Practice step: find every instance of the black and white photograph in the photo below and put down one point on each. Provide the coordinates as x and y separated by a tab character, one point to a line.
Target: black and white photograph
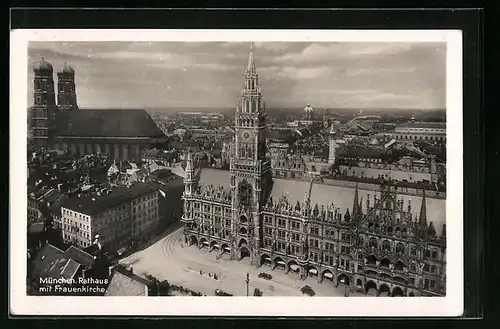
320	168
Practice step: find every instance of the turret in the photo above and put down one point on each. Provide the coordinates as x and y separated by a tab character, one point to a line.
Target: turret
189	179
66	90
422	217
42	116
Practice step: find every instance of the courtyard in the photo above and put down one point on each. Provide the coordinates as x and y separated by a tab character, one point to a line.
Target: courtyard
203	271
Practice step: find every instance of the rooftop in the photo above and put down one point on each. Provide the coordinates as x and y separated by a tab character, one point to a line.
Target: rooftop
435	125
80	256
127	284
325	194
52	262
92	203
107	123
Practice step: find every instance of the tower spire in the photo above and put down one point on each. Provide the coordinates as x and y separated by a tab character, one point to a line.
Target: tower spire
251	61
422	218
356	203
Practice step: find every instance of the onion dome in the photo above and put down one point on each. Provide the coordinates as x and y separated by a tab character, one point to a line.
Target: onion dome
67	69
42	65
308	108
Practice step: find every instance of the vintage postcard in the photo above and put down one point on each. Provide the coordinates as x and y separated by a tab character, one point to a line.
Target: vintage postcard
236	172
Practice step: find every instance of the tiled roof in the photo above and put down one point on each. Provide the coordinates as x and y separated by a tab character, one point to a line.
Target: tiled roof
435	125
93	204
124	285
80	256
70	269
52	262
49	261
107	123
215	177
343	198
325	194
360	152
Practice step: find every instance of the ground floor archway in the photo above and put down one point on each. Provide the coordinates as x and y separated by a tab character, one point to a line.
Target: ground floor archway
279	263
293	267
385	290
203	243
397	292
225	249
327	275
343	279
214	245
311	271
265	260
193	240
244	252
371	288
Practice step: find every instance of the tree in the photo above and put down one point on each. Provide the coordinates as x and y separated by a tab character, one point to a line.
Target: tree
164	288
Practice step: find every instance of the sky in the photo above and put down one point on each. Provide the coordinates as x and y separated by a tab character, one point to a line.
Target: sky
193	74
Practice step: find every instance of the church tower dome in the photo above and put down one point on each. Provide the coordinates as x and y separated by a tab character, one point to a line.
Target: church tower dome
66	88
42	66
42	113
308	112
67	69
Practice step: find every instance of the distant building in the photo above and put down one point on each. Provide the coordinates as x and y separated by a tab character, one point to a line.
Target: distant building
117	215
363	122
306	228
122	133
427	131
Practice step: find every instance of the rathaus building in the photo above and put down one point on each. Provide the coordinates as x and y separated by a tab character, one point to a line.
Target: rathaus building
378	245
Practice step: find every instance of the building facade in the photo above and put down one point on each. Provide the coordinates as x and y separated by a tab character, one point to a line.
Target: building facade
117	216
385	248
428	131
122	134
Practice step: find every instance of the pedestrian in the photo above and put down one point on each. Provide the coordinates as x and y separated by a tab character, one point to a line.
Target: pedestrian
201	272
209	274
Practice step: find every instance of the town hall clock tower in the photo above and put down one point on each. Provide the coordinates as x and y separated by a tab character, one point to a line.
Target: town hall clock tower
251	180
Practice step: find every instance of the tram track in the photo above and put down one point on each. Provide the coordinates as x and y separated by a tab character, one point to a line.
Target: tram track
170	251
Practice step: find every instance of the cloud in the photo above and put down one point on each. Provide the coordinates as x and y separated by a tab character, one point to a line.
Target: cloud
159	74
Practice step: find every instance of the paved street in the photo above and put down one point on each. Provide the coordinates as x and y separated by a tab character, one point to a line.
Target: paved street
166	259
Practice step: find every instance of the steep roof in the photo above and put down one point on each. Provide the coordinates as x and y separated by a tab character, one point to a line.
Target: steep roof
80	256
107	123
93	204
125	285
325	194
52	262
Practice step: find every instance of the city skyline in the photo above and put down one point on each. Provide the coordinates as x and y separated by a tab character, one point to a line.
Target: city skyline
192	74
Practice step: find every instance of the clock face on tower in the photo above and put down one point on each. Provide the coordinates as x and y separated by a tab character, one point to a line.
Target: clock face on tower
246	135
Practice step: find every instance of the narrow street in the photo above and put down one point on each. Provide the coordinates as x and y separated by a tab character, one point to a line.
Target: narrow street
168	260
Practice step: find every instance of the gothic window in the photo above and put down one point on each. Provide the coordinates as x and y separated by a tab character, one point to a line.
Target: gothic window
400	249
243	219
386	245
245	193
373	242
61	87
37	84
38	100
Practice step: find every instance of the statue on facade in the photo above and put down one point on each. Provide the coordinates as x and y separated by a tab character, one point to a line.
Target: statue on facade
305	247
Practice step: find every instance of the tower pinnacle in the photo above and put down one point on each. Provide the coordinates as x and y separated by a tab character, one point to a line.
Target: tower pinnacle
251	61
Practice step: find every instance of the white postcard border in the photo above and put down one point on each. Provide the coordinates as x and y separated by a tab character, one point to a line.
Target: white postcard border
450	305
